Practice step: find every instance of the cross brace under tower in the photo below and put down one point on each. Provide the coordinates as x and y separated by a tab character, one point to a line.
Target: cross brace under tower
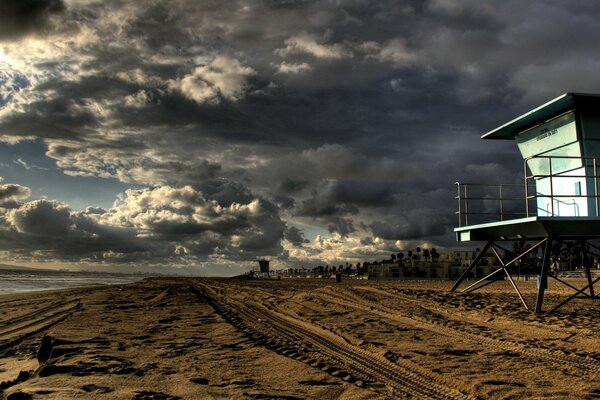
584	246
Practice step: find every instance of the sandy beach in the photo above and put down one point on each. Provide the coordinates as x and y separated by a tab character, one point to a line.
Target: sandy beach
296	339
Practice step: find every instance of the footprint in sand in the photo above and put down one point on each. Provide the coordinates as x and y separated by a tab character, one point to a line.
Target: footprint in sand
149	395
91	388
19	396
199	381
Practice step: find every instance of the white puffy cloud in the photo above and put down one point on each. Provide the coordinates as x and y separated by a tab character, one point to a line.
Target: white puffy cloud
172	225
138	99
305	43
337	249
128	160
11	83
293	68
224	77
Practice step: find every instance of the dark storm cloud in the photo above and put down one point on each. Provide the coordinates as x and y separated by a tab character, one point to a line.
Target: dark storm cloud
20	17
295	236
51	231
41	218
343	226
351	116
331	199
13	192
418	224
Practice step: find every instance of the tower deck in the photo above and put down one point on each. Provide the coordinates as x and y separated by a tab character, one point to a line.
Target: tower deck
531	228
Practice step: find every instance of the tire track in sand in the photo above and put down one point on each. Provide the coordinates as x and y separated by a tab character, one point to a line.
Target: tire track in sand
19	329
274	329
353	300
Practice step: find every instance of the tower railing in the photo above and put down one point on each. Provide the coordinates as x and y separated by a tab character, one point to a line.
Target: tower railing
481	202
553	186
582	172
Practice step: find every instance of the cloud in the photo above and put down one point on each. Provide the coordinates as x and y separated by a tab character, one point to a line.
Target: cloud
295	236
416	224
394	51
350	119
174	225
291	68
223	78
343	226
305	43
333	198
41	218
185	214
11	83
13	192
21	17
19	161
338	249
130	161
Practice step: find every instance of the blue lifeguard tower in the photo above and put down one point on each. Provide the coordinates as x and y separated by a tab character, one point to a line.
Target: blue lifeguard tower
556	207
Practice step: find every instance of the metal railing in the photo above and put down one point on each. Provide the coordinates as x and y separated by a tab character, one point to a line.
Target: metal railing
567	167
486	195
543	186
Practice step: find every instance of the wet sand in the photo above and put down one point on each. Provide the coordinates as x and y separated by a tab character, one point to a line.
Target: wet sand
296	339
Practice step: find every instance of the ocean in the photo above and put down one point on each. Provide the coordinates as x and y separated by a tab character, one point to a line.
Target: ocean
15	281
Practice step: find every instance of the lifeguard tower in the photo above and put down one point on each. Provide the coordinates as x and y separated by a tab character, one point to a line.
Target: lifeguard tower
556	207
263	269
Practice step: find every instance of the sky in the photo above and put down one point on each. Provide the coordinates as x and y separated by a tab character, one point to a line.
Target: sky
199	136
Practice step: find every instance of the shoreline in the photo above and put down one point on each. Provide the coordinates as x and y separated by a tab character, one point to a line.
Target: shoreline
20	281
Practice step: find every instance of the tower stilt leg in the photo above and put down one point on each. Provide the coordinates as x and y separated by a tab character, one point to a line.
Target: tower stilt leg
588	272
544	276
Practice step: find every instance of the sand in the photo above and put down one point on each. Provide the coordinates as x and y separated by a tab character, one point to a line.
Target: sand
296	339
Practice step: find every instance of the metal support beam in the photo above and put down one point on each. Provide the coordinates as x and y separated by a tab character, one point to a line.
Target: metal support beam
473	265
586	265
568	284
575	295
489	282
517	258
516	288
473	286
594	246
588	273
544	275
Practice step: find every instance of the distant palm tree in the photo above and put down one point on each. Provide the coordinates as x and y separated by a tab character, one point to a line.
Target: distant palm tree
426	254
434	254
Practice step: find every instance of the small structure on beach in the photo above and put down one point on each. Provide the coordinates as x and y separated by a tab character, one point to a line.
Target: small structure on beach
556	207
263	266
263	269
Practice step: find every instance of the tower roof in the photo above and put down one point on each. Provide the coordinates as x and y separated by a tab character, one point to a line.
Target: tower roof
543	113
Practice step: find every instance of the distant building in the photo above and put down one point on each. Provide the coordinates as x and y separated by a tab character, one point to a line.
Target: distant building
450	266
410	270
